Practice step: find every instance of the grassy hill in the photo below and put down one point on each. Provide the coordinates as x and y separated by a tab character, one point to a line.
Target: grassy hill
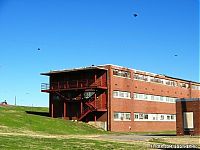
31	128
35	119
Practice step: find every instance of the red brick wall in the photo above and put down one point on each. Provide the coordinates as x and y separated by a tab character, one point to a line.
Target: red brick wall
187	106
126	105
142	126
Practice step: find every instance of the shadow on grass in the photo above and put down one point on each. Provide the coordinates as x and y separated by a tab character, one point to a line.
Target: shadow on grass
46	114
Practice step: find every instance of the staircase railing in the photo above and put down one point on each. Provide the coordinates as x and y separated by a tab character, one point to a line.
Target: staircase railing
72	84
89	107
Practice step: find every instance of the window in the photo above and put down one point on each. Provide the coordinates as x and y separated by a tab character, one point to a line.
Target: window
141	116
122	116
141	96
156	80
121	94
121	73
115	93
146	116
183	85
127	94
171	83
172	117
168	117
188	120
195	87
154	117
136	116
156	98
161	98
145	96
140	77
167	99
88	94
127	116
116	116
135	95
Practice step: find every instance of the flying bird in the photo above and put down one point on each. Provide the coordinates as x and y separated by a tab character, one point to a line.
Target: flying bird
38	49
175	55
135	14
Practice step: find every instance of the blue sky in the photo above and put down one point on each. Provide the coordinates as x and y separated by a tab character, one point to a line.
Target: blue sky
76	33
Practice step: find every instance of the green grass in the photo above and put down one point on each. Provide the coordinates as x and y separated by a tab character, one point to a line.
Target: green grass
22	142
22	130
28	131
159	141
17	119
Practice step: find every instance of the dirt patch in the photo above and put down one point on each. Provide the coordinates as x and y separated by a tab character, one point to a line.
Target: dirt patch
183	140
1	126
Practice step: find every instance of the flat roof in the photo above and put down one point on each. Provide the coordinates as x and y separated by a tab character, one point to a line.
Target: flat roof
74	69
102	68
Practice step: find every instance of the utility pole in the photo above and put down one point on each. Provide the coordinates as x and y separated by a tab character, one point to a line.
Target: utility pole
15	100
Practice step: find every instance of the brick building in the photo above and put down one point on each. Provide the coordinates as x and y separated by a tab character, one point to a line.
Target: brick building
188	116
125	99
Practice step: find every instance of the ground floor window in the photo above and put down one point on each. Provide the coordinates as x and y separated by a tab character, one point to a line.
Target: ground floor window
154	117
122	116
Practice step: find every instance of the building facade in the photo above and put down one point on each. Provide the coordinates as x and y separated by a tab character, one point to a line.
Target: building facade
125	99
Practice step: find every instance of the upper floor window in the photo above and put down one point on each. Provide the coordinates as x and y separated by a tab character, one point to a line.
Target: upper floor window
196	87
156	80
121	73
184	85
156	98
140	77
122	94
170	83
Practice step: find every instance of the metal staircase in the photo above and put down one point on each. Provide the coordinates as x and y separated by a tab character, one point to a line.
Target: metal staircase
88	106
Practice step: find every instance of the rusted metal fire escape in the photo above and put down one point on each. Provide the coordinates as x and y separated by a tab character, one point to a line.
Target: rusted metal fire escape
88	103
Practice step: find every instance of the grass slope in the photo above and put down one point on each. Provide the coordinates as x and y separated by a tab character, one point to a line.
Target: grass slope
17	119
30	128
23	128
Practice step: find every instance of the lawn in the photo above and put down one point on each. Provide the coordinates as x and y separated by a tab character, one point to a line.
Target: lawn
34	119
31	128
23	142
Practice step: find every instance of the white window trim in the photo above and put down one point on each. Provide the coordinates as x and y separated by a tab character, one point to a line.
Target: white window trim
156	116
121	77
120	96
164	81
150	96
124	113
